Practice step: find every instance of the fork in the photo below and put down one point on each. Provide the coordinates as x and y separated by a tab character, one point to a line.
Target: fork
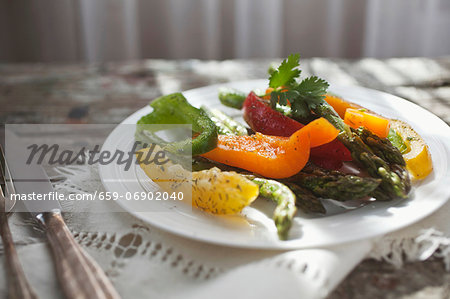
79	275
18	285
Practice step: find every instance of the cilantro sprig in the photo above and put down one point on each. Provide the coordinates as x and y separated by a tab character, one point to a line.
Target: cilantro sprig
300	97
306	98
286	73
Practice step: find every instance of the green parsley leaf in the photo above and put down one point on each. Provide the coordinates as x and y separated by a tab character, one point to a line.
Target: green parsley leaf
298	98
281	98
313	86
312	90
298	107
286	73
300	110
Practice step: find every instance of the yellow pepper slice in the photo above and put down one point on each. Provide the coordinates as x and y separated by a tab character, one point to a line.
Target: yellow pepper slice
212	190
417	157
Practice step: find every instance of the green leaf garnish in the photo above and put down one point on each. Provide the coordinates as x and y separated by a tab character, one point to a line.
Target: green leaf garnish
286	73
312	90
301	97
281	98
289	99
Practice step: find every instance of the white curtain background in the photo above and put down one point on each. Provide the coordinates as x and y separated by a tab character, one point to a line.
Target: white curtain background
105	30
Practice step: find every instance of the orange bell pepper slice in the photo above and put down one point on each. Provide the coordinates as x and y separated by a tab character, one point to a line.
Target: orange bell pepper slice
378	125
272	156
321	132
339	104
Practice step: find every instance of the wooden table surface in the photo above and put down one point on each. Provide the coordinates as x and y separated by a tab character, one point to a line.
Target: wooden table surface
107	93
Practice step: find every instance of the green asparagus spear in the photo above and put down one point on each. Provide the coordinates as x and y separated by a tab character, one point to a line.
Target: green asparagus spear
340	188
223	120
391	183
384	149
306	201
231	97
334	184
381	147
285	200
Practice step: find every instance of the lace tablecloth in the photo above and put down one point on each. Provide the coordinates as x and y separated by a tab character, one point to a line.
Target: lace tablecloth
143	261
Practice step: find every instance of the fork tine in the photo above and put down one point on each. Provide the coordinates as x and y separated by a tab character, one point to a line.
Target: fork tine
2	173
6	174
2	187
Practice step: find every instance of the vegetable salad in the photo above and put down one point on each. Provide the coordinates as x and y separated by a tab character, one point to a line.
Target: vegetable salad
293	151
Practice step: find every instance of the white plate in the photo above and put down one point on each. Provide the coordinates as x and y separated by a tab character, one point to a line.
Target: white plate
254	228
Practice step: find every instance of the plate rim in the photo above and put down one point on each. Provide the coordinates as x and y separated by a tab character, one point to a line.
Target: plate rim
286	244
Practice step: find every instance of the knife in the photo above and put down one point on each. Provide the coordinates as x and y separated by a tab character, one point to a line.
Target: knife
79	275
18	285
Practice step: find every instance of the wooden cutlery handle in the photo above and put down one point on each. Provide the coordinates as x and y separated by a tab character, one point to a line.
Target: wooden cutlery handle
79	275
18	286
